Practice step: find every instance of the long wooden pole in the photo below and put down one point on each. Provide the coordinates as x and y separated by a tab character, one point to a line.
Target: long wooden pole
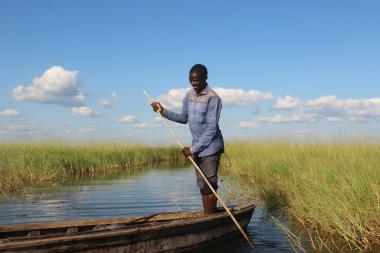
202	174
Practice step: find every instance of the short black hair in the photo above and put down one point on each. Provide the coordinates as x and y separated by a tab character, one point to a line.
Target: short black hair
200	69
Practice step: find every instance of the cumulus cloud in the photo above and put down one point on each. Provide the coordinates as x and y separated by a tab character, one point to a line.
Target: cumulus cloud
104	102
157	122
248	124
296	117
10	113
55	86
331	106
143	126
173	99
127	119
84	111
287	103
230	97
108	102
240	97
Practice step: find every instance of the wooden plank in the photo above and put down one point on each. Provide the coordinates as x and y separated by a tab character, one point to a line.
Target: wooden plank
82	223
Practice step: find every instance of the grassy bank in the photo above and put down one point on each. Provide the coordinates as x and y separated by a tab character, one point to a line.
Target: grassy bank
23	165
333	190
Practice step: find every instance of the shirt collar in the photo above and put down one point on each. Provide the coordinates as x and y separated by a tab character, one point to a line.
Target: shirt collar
203	92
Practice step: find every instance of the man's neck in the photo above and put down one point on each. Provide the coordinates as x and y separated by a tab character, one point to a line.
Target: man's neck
200	92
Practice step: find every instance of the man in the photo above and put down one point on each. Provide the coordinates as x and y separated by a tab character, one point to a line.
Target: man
201	109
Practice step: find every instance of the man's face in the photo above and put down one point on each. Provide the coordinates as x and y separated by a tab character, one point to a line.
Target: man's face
197	81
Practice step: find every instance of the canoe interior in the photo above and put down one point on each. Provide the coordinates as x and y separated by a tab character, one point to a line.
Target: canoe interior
20	232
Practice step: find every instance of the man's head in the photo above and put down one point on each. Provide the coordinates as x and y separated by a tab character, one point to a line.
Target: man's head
198	77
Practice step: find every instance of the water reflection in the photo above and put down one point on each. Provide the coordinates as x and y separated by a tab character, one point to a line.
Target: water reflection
141	192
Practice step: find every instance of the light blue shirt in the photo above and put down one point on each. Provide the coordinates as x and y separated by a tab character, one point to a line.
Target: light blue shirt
202	112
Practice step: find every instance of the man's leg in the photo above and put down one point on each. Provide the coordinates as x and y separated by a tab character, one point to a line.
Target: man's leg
209	166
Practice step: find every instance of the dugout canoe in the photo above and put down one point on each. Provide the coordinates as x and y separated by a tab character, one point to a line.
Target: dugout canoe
162	232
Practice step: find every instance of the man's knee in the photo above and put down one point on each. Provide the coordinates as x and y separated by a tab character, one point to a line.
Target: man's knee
206	190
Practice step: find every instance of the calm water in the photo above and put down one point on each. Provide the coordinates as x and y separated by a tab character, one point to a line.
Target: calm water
144	191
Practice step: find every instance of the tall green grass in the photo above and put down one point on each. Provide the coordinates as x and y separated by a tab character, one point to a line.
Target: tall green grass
23	165
332	189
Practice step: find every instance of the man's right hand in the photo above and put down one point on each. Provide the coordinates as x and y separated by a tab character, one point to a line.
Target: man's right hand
157	107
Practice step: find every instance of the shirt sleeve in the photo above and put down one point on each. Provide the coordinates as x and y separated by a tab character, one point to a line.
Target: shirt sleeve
212	118
178	117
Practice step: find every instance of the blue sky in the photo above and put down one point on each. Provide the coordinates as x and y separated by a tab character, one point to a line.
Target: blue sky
75	70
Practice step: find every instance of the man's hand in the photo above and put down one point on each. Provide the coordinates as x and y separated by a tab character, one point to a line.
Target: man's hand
186	151
157	107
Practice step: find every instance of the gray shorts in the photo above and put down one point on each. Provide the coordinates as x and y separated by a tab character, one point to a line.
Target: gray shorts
209	166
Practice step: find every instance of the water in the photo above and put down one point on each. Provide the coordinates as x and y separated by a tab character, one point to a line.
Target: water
142	192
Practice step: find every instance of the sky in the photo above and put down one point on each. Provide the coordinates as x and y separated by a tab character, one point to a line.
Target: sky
75	70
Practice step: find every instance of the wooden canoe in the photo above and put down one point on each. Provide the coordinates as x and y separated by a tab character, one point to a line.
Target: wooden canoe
162	232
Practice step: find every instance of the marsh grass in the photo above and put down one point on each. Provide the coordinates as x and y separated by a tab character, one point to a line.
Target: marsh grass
23	165
331	189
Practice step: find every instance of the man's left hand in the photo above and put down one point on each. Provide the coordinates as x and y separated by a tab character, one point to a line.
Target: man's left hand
186	151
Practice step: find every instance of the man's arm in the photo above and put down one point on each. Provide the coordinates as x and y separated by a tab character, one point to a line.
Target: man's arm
212	119
173	116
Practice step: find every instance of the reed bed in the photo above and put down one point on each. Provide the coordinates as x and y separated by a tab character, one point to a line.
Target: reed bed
23	165
331	189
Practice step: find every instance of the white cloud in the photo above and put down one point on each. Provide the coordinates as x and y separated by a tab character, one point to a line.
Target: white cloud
230	97
173	99
84	111
324	106
10	113
240	97
85	130
296	117
108	102
287	103
330	108
104	102
55	86
158	122
353	109
127	119
363	107
114	96
248	124
143	126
